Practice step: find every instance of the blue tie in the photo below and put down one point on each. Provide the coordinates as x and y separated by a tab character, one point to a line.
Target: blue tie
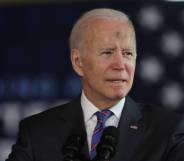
97	133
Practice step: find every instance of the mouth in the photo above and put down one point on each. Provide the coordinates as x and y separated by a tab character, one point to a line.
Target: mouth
116	80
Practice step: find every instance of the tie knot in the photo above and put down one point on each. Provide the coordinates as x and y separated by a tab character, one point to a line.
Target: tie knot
103	115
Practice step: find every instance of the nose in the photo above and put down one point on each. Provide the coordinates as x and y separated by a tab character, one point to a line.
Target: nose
118	61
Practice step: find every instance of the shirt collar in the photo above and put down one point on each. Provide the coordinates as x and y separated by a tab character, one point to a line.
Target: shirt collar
89	109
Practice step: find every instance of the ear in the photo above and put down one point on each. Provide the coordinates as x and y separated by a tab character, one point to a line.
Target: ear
77	61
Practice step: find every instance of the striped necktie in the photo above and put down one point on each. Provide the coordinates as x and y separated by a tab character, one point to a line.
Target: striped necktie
97	133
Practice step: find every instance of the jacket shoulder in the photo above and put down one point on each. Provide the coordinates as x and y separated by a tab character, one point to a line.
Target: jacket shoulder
160	116
53	114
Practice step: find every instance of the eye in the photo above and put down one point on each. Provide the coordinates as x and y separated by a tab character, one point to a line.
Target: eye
107	52
127	54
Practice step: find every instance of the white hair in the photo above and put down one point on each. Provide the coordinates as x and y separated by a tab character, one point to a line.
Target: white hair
77	36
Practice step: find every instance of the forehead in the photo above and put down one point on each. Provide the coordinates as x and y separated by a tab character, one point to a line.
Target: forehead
107	29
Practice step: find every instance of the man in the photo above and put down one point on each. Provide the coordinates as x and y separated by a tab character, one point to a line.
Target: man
103	54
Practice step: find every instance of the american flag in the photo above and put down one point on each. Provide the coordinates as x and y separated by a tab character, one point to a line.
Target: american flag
160	72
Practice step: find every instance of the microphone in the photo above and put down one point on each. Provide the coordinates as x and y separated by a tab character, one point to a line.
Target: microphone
106	148
72	147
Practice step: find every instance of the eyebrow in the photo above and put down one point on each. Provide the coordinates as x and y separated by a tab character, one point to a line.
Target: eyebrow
108	49
114	48
127	49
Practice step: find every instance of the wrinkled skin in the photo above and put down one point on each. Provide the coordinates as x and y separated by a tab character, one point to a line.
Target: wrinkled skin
107	64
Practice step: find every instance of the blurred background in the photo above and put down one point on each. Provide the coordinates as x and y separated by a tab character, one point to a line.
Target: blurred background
35	68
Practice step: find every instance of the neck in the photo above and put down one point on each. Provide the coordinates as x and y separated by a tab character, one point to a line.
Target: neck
101	104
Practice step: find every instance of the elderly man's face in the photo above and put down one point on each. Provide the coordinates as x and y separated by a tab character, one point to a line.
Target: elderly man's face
108	63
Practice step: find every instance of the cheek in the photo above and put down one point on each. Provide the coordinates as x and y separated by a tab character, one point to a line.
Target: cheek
131	70
90	70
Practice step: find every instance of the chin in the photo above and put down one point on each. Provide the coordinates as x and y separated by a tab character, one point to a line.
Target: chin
118	96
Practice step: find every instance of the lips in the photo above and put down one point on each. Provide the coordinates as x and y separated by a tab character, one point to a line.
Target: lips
116	80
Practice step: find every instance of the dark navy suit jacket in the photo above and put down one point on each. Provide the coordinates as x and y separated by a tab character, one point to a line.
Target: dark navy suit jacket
146	134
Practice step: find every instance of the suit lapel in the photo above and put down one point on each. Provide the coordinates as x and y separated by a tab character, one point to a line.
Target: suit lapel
131	131
130	127
72	120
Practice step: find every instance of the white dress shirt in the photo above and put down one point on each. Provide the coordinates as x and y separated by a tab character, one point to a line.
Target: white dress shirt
90	118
